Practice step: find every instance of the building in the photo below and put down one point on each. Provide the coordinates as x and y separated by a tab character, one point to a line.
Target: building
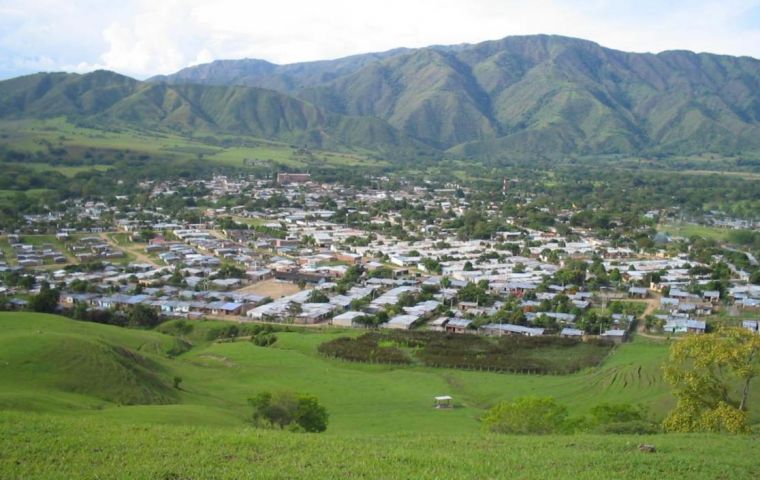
347	319
290	178
401	322
458	326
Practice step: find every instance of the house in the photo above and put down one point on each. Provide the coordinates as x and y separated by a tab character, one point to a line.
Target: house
422	309
225	308
499	329
638	292
459	325
259	275
312	313
696	326
439	324
347	319
401	322
712	296
615	335
571	333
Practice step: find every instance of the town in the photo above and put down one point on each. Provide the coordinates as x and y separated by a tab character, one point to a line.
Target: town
290	250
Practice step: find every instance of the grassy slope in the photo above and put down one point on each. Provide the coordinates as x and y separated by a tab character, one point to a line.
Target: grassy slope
220	377
42	446
62	413
28	135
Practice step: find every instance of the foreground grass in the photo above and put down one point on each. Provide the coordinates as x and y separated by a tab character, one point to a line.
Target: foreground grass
46	446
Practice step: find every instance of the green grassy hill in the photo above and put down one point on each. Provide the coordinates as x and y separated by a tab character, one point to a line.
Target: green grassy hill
89	400
123	373
44	446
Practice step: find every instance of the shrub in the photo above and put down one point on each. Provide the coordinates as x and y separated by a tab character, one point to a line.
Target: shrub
526	415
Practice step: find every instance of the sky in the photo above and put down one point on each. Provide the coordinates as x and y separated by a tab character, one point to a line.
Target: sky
142	38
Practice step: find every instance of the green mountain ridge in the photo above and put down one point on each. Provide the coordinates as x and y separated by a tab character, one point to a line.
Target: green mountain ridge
107	98
531	94
526	96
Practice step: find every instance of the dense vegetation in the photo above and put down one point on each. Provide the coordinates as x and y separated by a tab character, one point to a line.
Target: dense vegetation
518	354
526	95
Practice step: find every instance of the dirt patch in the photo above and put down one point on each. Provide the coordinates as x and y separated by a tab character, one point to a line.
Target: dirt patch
271	288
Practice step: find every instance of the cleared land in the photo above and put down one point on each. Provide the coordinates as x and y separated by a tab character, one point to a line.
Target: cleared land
271	288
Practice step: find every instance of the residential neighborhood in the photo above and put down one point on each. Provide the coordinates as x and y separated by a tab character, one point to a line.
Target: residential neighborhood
320	254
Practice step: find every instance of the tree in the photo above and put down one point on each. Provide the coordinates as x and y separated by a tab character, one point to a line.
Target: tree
143	316
46	301
712	375
310	415
317	296
299	412
526	415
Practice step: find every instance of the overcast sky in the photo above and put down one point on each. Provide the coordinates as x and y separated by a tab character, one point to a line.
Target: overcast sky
144	38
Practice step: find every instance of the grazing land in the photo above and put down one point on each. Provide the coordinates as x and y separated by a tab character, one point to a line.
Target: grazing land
69	393
44	446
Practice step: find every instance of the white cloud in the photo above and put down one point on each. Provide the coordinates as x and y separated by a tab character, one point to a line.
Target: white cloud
144	38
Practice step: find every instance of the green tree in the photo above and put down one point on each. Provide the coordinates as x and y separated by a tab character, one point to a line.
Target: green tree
143	316
46	301
712	375
317	296
299	412
310	415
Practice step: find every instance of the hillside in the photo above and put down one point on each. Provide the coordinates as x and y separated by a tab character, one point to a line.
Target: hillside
105	98
260	73
45	446
218	378
532	94
101	397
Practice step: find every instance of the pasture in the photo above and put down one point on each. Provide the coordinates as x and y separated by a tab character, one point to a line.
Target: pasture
92	401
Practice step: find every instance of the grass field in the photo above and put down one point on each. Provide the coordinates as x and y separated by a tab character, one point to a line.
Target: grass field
66	384
34	135
68	171
688	230
44	446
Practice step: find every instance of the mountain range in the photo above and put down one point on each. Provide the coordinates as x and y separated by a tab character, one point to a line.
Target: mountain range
524	95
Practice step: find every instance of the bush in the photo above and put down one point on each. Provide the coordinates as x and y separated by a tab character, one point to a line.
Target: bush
637	427
526	415
540	355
